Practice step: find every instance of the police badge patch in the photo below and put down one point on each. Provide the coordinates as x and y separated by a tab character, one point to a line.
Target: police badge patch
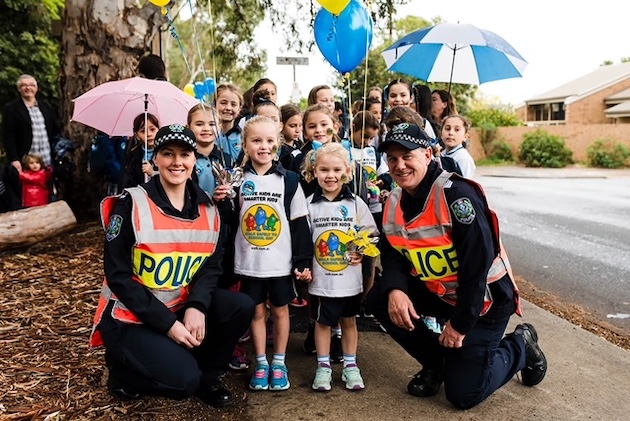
113	229
463	210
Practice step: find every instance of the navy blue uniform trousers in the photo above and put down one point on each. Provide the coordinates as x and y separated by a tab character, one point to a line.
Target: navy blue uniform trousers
484	363
150	362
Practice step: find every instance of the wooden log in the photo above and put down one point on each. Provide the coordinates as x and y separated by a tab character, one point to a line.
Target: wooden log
29	226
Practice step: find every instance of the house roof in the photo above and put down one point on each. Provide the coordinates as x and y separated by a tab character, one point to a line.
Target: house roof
618	97
619	110
592	82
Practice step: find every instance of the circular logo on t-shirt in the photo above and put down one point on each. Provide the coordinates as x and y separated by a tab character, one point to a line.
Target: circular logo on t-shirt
261	225
330	251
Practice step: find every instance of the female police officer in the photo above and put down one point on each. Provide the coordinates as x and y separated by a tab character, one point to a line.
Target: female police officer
441	257
166	328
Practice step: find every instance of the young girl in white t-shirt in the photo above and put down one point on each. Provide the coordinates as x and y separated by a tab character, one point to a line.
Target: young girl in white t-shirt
337	281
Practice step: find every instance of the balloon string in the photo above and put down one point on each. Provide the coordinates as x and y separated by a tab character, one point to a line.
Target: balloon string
218	134
196	40
175	35
205	75
214	67
356	180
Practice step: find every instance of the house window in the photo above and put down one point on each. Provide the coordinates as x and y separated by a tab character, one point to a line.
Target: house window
548	112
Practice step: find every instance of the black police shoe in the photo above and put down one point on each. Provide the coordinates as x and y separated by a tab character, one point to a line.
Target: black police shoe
116	388
536	362
426	383
215	395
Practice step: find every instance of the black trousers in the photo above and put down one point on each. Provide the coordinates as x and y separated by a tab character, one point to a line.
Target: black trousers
149	362
486	361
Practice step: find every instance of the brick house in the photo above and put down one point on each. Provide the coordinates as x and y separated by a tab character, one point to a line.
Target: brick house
600	97
592	107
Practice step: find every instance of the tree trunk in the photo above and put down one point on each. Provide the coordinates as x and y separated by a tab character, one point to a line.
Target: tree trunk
29	226
102	41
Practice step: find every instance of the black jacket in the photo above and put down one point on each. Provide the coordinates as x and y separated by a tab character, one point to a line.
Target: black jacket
17	128
118	262
476	249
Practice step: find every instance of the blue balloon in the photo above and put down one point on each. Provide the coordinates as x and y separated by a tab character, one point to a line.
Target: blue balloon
210	85
344	40
200	90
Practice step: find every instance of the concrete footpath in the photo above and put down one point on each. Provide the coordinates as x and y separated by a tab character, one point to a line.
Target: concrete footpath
588	378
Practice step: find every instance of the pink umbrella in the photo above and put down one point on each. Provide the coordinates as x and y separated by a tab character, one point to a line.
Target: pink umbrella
112	106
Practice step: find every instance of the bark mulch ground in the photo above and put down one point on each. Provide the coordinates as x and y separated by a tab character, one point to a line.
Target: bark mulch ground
48	295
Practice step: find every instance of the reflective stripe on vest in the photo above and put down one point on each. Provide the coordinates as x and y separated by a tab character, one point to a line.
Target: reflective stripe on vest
165	257
426	242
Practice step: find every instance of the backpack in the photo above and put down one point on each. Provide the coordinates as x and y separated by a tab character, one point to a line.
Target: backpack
107	155
64	166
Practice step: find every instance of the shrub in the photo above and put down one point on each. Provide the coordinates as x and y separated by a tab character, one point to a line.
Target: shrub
541	149
497	117
487	133
501	151
607	153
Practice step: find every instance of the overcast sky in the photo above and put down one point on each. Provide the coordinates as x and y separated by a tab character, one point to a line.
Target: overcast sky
560	39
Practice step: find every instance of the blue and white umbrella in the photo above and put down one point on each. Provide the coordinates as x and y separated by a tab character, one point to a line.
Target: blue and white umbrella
455	53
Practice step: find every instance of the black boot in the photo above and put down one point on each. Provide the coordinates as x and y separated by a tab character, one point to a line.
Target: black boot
536	362
426	383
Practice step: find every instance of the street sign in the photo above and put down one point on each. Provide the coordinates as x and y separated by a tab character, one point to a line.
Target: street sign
294	61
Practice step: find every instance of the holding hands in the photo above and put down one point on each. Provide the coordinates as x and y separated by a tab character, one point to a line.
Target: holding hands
304	275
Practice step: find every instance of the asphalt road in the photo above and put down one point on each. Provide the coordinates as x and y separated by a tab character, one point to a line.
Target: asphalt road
568	233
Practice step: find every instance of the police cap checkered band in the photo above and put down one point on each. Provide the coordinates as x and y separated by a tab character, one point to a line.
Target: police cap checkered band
407	135
174	133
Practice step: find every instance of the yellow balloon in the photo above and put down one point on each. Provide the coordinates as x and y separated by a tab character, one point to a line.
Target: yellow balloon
160	3
334	6
190	89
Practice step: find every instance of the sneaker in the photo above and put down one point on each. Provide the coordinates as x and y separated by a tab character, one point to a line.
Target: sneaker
309	343
323	379
260	379
298	302
279	377
536	362
336	350
432	324
239	360
352	376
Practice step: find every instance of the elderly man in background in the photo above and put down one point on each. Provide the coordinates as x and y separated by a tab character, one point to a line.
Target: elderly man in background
28	126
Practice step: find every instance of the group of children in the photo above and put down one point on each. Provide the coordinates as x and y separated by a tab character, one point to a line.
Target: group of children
303	190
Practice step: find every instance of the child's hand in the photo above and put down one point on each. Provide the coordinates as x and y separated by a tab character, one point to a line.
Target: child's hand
384	195
221	192
147	168
355	258
304	275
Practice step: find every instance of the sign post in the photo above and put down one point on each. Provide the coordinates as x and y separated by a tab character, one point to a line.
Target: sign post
293	61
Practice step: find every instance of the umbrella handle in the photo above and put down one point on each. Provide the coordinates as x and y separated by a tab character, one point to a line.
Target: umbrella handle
146	129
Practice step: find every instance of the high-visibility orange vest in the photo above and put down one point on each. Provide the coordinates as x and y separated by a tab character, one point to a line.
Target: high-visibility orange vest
426	242
166	255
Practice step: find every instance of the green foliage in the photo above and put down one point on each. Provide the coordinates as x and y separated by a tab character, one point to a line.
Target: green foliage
541	149
54	7
501	151
498	117
607	153
26	46
232	57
